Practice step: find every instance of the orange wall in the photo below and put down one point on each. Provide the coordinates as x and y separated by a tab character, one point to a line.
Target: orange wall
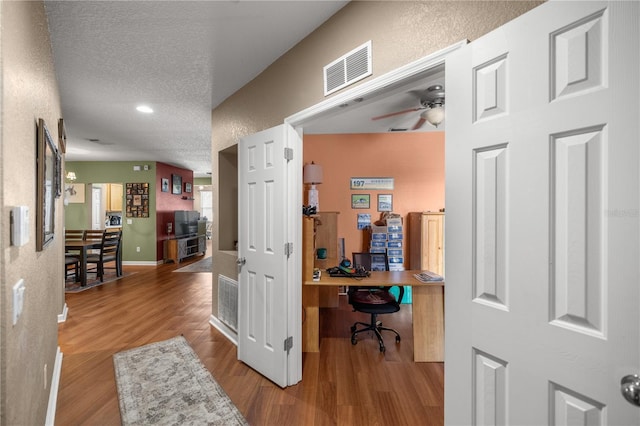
414	160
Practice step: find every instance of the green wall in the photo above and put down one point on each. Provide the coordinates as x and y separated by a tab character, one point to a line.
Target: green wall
201	181
136	232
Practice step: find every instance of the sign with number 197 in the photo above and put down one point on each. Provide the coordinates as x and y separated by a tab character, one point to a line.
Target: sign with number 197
358	183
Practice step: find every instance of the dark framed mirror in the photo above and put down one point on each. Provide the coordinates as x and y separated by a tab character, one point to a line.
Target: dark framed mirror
46	170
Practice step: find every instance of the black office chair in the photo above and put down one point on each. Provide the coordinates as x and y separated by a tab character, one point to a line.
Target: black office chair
373	300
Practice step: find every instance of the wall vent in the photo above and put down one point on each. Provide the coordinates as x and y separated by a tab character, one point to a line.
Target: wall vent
228	302
346	70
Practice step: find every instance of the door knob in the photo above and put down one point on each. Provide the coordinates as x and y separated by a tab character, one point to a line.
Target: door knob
241	261
630	387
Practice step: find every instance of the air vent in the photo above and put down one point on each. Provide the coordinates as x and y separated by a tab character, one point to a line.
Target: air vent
228	301
346	70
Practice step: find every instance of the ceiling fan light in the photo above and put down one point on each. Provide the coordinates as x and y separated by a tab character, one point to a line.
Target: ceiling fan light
434	115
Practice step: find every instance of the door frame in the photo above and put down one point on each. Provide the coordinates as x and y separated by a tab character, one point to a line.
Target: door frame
385	84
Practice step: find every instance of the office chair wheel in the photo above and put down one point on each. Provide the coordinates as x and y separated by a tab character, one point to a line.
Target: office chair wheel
354	341
382	348
397	339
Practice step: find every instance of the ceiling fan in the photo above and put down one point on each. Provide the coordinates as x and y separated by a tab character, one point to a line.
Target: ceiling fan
431	101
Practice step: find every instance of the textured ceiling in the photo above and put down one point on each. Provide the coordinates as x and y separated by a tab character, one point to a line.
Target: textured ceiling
181	58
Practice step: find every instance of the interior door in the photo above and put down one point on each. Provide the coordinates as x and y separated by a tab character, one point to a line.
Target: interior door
267	294
97	212
542	233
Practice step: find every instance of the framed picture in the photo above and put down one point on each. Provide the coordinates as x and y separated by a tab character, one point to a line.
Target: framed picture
385	202
58	174
164	185
74	192
364	220
62	137
360	201
176	182
137	198
187	187
46	164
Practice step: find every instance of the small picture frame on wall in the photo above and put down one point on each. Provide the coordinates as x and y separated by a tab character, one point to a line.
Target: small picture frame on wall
385	202
360	201
364	221
165	185
187	187
176	183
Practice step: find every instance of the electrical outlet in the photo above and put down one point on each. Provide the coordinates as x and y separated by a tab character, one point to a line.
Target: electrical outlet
138	249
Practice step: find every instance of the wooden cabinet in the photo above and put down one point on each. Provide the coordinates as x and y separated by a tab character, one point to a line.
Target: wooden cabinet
426	241
114	197
326	236
319	231
181	248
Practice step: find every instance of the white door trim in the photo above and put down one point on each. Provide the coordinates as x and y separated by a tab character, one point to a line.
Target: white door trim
379	85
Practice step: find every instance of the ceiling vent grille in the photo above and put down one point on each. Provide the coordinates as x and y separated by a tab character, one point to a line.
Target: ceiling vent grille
348	69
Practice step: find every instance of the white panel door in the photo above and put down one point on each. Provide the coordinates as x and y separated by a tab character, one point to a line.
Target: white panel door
542	234
263	288
97	211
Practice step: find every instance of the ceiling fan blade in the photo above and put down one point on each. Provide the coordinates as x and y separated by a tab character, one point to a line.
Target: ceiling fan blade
419	123
397	113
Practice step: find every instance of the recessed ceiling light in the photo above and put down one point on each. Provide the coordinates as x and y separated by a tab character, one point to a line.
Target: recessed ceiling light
145	109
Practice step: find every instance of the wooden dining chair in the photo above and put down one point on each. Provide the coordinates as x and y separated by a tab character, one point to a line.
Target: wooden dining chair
71	267
93	235
109	252
73	235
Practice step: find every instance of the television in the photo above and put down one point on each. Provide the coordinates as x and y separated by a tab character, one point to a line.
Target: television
186	223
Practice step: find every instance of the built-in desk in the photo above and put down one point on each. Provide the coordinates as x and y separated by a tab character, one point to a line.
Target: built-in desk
428	310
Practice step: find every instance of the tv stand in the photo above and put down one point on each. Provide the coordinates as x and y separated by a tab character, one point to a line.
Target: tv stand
180	248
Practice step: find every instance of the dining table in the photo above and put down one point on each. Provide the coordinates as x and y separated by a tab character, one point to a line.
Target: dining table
82	246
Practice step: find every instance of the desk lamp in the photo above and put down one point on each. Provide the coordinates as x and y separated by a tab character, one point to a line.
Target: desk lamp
312	174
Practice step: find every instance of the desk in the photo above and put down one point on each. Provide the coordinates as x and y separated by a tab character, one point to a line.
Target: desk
82	246
428	310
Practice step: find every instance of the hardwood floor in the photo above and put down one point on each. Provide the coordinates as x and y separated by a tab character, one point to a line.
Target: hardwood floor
342	384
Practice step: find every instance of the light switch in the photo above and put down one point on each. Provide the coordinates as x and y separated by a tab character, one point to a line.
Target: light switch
18	300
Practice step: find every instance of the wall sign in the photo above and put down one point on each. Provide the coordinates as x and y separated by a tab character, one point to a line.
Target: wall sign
385	183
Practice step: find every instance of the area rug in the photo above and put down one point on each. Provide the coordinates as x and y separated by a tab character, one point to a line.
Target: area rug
164	383
204	265
71	286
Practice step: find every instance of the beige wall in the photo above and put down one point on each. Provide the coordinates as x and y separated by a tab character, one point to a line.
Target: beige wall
401	32
29	92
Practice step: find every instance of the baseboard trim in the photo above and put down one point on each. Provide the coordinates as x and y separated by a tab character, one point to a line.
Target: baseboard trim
140	263
62	317
222	328
53	391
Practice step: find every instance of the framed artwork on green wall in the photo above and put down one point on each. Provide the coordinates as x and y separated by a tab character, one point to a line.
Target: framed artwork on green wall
137	197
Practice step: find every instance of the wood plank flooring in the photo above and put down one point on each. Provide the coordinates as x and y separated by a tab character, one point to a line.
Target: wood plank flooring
342	384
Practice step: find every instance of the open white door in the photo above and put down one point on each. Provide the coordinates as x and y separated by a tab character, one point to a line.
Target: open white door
269	302
542	187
